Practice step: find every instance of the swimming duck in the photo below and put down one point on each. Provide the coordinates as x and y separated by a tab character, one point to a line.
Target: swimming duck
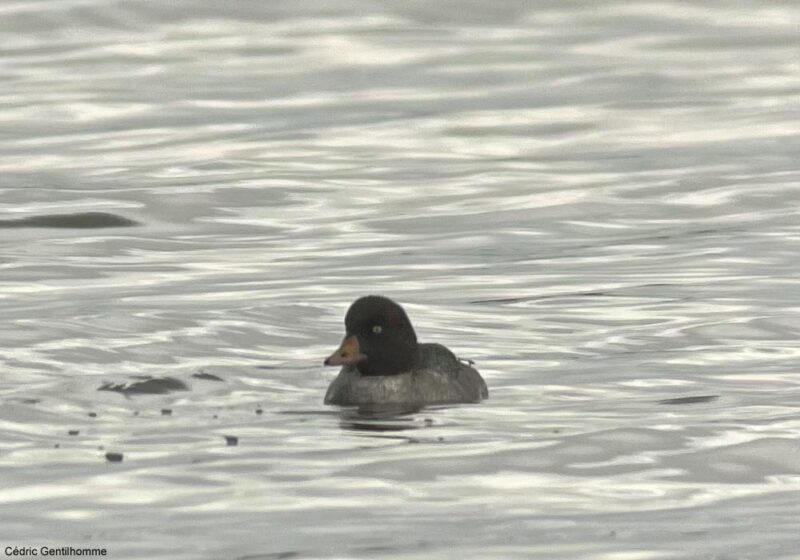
384	364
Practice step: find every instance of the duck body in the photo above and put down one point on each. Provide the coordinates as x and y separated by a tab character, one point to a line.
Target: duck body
383	364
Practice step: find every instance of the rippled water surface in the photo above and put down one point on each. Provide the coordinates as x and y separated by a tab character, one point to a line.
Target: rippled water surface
598	203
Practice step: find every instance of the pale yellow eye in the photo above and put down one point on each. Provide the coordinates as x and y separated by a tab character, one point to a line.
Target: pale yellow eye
377	329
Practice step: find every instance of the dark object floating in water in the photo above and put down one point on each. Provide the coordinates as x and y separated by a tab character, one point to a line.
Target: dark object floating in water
114	457
207	376
166	412
259	411
57	446
82	220
690	400
92	415
147	386
231	440
73	432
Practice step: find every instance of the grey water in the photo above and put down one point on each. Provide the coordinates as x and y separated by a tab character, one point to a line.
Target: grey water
598	203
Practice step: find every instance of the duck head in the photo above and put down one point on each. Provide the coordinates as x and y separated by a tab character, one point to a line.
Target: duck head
379	338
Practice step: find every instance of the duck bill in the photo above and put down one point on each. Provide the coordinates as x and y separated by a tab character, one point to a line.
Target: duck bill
348	353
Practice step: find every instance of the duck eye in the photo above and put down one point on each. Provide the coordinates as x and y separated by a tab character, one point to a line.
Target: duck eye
377	329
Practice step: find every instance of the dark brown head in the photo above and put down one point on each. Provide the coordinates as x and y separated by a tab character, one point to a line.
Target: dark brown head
379	338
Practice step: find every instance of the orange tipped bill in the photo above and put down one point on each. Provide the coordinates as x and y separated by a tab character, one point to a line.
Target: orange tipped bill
348	353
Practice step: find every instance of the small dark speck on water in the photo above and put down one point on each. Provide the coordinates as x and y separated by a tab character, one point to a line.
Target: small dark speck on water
136	413
215	417
690	400
259	411
113	457
57	445
73	432
166	412
92	415
231	440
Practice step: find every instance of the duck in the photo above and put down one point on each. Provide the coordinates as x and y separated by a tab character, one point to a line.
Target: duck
383	364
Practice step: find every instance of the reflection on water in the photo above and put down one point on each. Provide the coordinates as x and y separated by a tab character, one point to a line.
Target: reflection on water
689	400
146	385
379	418
83	220
598	205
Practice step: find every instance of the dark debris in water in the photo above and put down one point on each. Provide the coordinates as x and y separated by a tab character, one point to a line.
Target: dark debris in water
112	457
166	412
81	220
147	386
206	376
231	440
690	400
73	432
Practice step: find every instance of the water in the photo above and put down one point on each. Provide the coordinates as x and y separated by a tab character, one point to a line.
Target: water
597	203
